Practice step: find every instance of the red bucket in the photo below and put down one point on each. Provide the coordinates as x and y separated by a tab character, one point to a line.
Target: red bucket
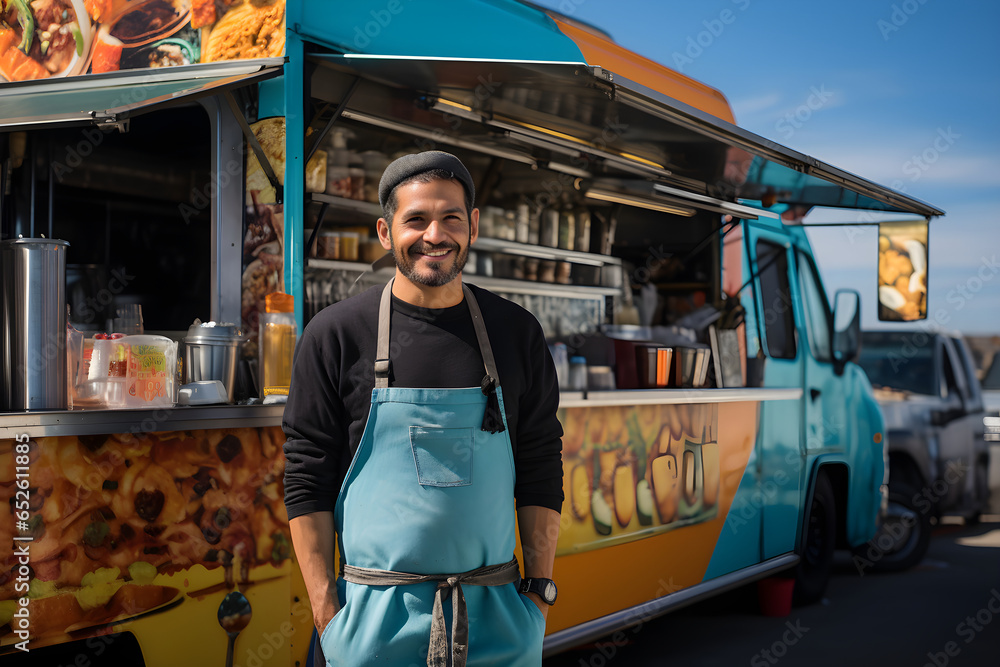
775	596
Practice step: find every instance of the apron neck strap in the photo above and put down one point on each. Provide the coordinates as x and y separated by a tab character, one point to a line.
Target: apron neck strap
382	348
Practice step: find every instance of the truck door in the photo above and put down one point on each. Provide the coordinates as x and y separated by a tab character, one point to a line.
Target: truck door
956	429
825	399
779	455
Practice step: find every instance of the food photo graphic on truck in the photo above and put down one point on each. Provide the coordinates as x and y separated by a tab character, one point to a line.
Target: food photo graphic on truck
718	427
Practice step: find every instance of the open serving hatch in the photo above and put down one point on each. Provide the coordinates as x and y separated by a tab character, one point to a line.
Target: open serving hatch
588	122
111	99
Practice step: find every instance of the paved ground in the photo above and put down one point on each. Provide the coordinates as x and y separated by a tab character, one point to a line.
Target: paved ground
910	619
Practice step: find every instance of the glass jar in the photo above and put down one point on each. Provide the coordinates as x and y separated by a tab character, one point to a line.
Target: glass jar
328	245
349	246
278	333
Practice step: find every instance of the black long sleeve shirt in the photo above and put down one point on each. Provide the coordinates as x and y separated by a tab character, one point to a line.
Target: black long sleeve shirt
333	377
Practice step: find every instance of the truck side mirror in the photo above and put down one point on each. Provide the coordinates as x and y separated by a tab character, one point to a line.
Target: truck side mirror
846	328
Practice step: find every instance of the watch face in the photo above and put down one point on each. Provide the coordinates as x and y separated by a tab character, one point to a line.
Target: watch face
549	592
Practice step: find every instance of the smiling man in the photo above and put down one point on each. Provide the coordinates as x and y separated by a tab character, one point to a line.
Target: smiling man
431	406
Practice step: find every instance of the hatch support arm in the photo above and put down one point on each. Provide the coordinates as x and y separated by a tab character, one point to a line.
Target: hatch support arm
265	164
333	119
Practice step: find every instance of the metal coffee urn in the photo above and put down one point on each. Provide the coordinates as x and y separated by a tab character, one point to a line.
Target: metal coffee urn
33	365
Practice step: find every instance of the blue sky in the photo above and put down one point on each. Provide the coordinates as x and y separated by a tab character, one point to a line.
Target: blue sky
911	93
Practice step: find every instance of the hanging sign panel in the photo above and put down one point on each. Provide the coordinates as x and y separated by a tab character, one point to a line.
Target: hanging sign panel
44	39
902	271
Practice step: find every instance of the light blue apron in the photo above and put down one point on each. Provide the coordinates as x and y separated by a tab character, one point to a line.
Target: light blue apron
430	493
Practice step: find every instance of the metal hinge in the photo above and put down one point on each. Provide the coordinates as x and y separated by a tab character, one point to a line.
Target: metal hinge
104	119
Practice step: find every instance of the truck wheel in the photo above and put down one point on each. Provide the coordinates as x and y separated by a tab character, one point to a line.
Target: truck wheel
813	571
903	537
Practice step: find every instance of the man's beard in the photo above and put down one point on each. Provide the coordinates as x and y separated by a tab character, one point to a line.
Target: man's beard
434	276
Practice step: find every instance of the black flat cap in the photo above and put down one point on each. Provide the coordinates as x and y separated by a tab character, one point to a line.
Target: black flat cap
418	163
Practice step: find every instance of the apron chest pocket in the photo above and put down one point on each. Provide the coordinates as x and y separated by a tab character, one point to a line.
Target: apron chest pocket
443	456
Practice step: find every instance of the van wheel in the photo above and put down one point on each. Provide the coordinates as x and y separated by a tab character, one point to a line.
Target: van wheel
813	571
903	537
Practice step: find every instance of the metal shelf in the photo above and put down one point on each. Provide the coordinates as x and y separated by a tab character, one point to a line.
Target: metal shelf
482	243
344	204
340	265
544	252
541	289
504	285
39	424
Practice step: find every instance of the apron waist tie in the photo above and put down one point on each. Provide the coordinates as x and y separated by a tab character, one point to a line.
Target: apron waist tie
437	655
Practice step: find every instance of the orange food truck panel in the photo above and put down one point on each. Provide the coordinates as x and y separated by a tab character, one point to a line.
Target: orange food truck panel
147	534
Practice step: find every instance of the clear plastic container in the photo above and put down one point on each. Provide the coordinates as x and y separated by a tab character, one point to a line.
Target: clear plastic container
577	374
108	370
278	333
152	371
338	173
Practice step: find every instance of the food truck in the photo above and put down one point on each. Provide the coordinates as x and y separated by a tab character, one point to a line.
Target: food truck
184	159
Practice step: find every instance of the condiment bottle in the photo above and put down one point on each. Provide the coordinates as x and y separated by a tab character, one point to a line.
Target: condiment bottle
356	170
567	228
577	373
278	332
582	241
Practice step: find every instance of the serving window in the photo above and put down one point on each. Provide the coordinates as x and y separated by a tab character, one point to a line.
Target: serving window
135	208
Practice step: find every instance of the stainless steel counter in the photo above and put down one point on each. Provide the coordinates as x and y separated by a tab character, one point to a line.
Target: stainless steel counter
93	422
570	399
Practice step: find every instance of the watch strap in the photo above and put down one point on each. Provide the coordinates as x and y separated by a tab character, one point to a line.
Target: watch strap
538	586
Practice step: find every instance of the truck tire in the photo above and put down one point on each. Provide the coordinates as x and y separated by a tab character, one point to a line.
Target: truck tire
813	571
902	540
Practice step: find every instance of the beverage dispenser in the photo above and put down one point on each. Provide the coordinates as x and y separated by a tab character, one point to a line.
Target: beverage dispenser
33	364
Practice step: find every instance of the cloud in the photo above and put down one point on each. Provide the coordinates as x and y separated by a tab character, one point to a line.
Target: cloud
914	169
753	105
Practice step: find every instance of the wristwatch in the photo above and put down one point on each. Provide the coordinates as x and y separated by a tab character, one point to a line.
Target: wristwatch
543	588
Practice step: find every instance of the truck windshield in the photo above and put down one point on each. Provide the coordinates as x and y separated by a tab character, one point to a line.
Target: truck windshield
902	367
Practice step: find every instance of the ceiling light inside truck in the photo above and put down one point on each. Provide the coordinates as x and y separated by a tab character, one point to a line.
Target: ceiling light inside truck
638	202
544	137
